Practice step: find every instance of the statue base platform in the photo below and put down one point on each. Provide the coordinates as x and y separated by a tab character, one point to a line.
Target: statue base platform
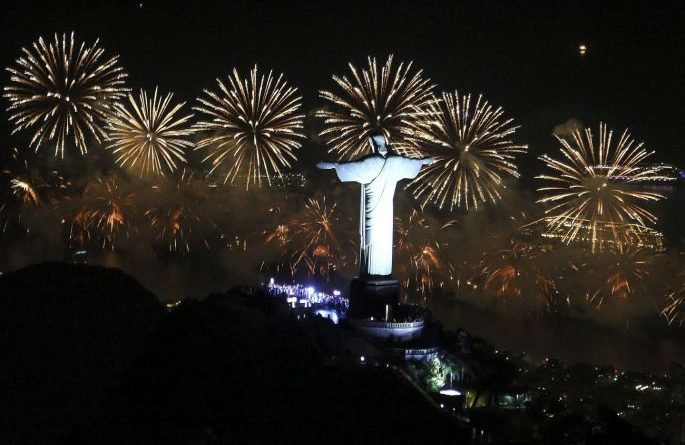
370	296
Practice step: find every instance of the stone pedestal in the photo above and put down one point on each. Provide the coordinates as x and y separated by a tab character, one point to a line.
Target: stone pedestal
370	297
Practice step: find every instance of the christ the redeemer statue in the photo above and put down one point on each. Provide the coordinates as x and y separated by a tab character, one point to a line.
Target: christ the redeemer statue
378	173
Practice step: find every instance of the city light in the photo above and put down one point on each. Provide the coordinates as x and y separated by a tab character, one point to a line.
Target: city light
450	392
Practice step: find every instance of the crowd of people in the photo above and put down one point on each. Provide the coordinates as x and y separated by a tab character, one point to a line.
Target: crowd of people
310	295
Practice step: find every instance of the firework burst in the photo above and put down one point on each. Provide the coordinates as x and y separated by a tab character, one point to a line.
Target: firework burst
175	216
418	250
318	246
593	185
252	128
463	276
18	195
620	273
148	137
471	144
373	101
280	235
104	213
673	311
23	188
63	89
516	271
25	192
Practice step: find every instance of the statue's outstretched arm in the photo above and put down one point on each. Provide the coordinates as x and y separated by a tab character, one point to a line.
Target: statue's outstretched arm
362	170
427	161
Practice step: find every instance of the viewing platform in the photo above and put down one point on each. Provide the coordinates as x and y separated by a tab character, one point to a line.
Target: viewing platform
389	330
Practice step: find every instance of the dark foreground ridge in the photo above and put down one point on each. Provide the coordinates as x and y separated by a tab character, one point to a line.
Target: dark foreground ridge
67	333
83	367
231	369
87	355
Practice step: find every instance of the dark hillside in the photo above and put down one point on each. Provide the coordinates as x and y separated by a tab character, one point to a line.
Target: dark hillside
230	369
67	332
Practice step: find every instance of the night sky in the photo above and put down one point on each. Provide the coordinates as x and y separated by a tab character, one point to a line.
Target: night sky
520	55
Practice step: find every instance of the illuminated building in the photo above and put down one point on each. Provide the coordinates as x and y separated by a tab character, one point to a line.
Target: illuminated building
667	174
633	234
282	180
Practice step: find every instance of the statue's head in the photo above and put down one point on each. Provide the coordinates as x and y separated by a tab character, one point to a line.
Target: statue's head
379	144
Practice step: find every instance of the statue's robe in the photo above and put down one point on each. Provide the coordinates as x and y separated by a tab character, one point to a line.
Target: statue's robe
378	176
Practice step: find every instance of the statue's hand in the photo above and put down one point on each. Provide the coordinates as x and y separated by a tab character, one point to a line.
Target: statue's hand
325	165
427	161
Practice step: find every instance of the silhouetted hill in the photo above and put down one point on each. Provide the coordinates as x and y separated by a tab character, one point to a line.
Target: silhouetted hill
87	356
231	369
67	332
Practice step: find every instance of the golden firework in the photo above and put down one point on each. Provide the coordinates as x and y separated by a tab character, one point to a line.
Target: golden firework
373	101
24	191
418	249
280	238
618	272
148	137
673	311
463	276
516	271
317	243
63	89
20	195
176	217
471	144
593	185
104	213
252	128
280	235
